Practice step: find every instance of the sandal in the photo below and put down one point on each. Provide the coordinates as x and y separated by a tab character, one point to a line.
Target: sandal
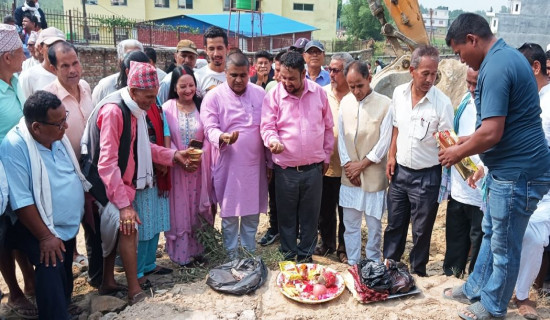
28	312
527	309
140	296
457	294
478	312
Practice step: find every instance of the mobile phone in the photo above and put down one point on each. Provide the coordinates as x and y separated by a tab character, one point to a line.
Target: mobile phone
195	144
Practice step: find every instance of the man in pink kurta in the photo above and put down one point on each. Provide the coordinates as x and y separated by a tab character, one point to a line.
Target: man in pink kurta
231	115
108	119
297	127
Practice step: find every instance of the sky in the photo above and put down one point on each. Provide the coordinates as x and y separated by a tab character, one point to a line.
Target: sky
466	5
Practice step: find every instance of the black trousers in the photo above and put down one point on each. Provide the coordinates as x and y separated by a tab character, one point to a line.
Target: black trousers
92	237
462	232
273	223
327	216
412	197
54	285
298	195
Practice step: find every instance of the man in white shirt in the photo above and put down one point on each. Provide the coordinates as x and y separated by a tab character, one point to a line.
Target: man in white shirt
538	229
216	45
107	85
419	109
186	54
464	216
39	76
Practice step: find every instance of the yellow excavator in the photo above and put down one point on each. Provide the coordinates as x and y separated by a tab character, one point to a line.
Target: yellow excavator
411	32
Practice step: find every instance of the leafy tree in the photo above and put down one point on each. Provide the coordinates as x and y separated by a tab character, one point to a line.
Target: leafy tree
359	22
423	9
504	9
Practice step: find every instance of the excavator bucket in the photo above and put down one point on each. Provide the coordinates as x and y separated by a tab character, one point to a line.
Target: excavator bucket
408	19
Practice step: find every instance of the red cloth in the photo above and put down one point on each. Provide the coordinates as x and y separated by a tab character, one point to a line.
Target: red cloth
163	181
365	293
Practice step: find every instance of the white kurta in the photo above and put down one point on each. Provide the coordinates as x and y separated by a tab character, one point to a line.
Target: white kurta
372	203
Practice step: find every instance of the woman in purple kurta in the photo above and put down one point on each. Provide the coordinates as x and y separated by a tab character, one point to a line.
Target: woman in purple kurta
190	193
239	174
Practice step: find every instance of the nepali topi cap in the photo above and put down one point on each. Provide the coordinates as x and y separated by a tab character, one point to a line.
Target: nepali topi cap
142	76
9	38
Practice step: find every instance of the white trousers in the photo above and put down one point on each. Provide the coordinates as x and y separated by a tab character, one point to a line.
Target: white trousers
352	236
231	230
534	241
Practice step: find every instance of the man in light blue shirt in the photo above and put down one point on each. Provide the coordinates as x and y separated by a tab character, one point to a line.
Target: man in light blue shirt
314	55
48	238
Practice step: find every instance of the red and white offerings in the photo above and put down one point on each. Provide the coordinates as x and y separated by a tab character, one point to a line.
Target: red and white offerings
309	283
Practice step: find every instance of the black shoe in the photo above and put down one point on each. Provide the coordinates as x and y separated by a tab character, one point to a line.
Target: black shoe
268	238
305	259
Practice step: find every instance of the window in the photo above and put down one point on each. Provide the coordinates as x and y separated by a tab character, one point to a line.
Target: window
303	6
93	2
162	3
118	2
185	4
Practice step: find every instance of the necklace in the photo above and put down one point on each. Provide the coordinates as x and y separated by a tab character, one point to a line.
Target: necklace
186	108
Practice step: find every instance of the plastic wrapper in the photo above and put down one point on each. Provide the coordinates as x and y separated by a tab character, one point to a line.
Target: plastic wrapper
289	271
465	167
238	277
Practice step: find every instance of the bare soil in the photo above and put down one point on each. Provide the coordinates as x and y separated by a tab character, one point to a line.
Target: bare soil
172	299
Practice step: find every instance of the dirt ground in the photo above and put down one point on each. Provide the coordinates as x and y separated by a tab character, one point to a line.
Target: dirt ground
172	299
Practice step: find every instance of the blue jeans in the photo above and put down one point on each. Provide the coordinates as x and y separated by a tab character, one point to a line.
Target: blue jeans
510	204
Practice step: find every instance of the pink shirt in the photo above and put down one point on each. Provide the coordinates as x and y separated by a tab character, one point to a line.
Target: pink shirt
121	190
79	111
302	124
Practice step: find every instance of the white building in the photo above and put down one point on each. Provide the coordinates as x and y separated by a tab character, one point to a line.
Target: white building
436	22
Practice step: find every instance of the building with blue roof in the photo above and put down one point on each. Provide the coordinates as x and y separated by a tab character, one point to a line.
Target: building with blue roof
249	31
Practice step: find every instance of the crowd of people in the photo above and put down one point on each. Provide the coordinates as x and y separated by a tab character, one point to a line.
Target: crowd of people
148	152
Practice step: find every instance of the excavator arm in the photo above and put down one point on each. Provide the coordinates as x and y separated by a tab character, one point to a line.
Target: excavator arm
408	19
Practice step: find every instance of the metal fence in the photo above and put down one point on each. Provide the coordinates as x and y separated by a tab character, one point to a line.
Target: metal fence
109	30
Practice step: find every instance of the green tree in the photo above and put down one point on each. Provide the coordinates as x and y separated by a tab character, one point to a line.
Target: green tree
504	9
359	22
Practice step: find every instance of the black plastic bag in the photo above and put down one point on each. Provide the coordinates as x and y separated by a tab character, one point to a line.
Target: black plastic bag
402	281
238	277
374	275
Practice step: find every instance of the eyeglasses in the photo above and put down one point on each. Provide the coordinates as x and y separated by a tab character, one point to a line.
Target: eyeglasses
60	125
335	70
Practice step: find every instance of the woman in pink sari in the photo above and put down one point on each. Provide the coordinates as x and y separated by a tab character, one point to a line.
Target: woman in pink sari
190	196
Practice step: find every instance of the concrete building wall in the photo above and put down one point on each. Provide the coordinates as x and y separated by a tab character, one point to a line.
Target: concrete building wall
322	17
530	25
